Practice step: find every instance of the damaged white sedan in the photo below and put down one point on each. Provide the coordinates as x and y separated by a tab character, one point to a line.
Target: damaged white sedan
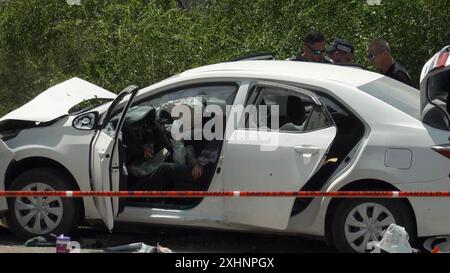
339	128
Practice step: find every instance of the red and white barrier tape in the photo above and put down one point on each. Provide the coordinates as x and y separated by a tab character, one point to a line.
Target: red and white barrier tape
198	194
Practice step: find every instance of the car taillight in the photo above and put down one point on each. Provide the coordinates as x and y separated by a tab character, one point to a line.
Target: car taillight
442	59
443	150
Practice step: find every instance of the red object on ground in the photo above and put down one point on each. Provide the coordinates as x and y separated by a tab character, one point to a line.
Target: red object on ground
436	250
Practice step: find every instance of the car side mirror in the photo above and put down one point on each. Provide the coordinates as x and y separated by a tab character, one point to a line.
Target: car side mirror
87	121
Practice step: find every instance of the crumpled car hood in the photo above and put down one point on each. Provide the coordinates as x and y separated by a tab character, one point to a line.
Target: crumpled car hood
57	100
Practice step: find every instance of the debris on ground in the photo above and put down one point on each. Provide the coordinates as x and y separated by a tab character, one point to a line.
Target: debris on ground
64	245
437	244
161	249
395	240
139	248
40	241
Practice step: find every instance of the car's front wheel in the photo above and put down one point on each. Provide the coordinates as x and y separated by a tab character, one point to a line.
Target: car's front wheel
357	222
34	216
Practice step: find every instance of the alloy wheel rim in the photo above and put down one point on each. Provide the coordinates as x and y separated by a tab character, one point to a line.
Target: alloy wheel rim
38	215
365	223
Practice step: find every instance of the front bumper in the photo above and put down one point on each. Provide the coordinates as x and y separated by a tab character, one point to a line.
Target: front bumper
6	155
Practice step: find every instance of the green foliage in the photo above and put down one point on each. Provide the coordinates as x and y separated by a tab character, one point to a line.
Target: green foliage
119	42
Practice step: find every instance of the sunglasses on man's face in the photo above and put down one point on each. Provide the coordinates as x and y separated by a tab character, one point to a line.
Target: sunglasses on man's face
316	52
371	56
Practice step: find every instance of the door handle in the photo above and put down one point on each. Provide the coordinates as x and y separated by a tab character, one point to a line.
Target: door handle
103	154
306	149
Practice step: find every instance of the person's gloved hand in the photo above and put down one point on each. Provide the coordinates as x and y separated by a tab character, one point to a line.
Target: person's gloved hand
148	152
197	172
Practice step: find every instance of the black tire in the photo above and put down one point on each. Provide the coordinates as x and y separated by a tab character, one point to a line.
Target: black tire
398	208
71	207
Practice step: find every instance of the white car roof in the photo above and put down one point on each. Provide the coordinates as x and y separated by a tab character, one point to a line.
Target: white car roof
305	70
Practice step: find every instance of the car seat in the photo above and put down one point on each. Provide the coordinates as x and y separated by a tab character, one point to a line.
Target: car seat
295	113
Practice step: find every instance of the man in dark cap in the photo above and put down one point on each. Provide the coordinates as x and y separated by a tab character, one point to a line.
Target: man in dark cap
313	49
341	51
379	55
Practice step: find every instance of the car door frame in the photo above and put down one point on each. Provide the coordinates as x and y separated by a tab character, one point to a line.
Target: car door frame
288	88
115	107
253	96
210	208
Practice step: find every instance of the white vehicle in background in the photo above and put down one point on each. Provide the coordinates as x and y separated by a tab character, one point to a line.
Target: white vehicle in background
361	131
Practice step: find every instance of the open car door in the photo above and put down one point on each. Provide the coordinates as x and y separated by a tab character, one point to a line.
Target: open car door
108	172
271	160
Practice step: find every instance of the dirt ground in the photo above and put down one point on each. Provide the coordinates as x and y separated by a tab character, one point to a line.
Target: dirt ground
181	240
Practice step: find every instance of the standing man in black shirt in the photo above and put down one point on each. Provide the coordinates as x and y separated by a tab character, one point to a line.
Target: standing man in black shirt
313	49
379	54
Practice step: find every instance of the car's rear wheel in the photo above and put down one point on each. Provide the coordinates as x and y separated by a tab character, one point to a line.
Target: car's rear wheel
357	222
34	216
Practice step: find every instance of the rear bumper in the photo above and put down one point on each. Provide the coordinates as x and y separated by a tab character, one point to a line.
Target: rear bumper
431	213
